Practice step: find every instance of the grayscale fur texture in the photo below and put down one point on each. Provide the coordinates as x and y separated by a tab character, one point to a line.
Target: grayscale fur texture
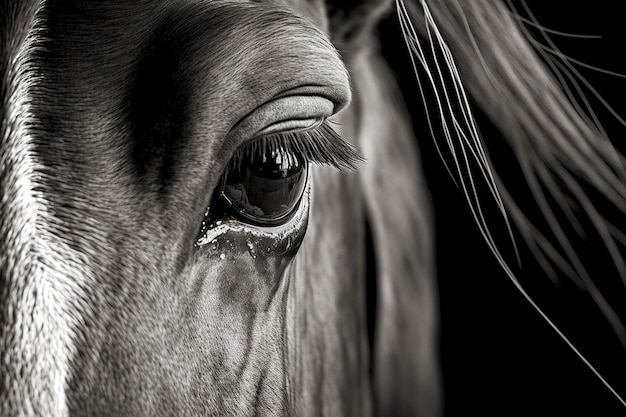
117	121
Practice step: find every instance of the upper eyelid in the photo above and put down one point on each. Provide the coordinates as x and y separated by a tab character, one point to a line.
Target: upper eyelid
320	144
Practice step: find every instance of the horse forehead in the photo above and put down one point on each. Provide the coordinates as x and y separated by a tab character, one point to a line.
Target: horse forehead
226	55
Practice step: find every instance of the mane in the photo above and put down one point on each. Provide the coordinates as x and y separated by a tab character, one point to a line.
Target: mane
567	160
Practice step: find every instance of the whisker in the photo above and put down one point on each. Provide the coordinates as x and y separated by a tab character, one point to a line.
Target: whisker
553	31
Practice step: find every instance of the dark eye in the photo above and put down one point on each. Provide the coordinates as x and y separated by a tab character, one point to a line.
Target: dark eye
263	186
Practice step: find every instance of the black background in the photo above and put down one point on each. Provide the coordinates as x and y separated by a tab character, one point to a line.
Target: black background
498	356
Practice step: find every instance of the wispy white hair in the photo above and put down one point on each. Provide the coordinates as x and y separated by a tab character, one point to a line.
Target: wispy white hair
481	46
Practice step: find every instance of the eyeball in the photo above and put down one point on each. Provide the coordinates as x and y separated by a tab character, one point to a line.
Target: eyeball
266	187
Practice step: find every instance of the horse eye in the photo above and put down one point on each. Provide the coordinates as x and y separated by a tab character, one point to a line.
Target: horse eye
265	187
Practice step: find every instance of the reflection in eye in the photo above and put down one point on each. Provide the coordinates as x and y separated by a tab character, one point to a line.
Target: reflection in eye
266	188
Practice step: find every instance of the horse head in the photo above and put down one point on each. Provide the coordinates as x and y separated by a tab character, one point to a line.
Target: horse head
168	245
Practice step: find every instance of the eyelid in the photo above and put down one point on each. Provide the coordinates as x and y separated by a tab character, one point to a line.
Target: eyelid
291	125
320	144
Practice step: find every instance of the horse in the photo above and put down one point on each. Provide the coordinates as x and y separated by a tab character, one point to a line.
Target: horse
219	208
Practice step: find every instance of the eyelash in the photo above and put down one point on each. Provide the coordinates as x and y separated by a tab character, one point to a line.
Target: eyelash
321	145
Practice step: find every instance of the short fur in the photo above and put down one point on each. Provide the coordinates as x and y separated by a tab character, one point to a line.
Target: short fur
118	118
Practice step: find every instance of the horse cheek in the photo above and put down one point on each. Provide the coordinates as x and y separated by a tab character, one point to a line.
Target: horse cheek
327	337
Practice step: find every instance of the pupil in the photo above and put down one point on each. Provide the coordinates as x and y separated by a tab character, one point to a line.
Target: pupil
267	187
